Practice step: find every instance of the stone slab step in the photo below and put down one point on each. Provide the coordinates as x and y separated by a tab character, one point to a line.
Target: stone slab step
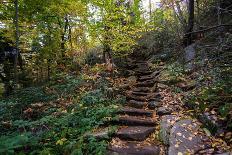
136	104
143	72
153	74
137	133
133	148
164	111
148	77
148	83
136	121
135	112
142	89
147	94
141	93
136	98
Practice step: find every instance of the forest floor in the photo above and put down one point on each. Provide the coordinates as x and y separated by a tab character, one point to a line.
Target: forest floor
96	112
155	120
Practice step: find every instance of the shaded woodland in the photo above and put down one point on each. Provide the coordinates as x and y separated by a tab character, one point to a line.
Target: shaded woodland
95	77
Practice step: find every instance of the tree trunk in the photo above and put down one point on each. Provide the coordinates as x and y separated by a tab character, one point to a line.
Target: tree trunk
62	45
48	69
188	36
16	52
150	11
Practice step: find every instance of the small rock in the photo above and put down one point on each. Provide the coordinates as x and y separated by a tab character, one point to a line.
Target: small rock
163	111
132	79
153	104
162	86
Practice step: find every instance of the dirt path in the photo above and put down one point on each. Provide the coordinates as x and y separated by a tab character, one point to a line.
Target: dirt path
151	124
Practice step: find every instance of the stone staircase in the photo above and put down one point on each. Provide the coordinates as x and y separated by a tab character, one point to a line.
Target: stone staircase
136	121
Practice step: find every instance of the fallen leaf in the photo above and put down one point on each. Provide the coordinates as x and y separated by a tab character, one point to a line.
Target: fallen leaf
179	153
179	134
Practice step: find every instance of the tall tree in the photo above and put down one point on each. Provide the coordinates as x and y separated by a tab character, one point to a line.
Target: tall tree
189	29
16	22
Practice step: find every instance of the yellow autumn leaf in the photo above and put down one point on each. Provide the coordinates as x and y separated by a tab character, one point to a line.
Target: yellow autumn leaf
61	141
179	153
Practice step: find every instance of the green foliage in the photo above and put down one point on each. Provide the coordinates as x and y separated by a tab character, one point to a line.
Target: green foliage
175	70
59	129
215	96
173	74
10	144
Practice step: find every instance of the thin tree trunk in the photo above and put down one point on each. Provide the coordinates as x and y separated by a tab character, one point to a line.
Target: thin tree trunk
181	15
70	36
62	44
219	18
16	41
188	36
48	69
150	11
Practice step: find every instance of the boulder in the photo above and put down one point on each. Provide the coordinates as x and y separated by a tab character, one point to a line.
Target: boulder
166	124
186	138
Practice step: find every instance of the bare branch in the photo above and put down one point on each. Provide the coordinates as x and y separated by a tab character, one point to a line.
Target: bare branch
210	28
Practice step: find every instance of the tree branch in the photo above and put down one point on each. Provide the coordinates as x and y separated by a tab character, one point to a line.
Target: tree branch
207	29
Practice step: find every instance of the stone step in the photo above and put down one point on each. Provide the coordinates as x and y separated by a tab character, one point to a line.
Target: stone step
143	72
133	148
153	74
141	62
164	111
147	94
135	112
141	69
137	98
148	83
148	77
136	133
141	93
136	121
136	104
142	89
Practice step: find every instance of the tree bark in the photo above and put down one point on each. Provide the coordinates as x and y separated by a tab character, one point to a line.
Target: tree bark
16	52
188	36
62	44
